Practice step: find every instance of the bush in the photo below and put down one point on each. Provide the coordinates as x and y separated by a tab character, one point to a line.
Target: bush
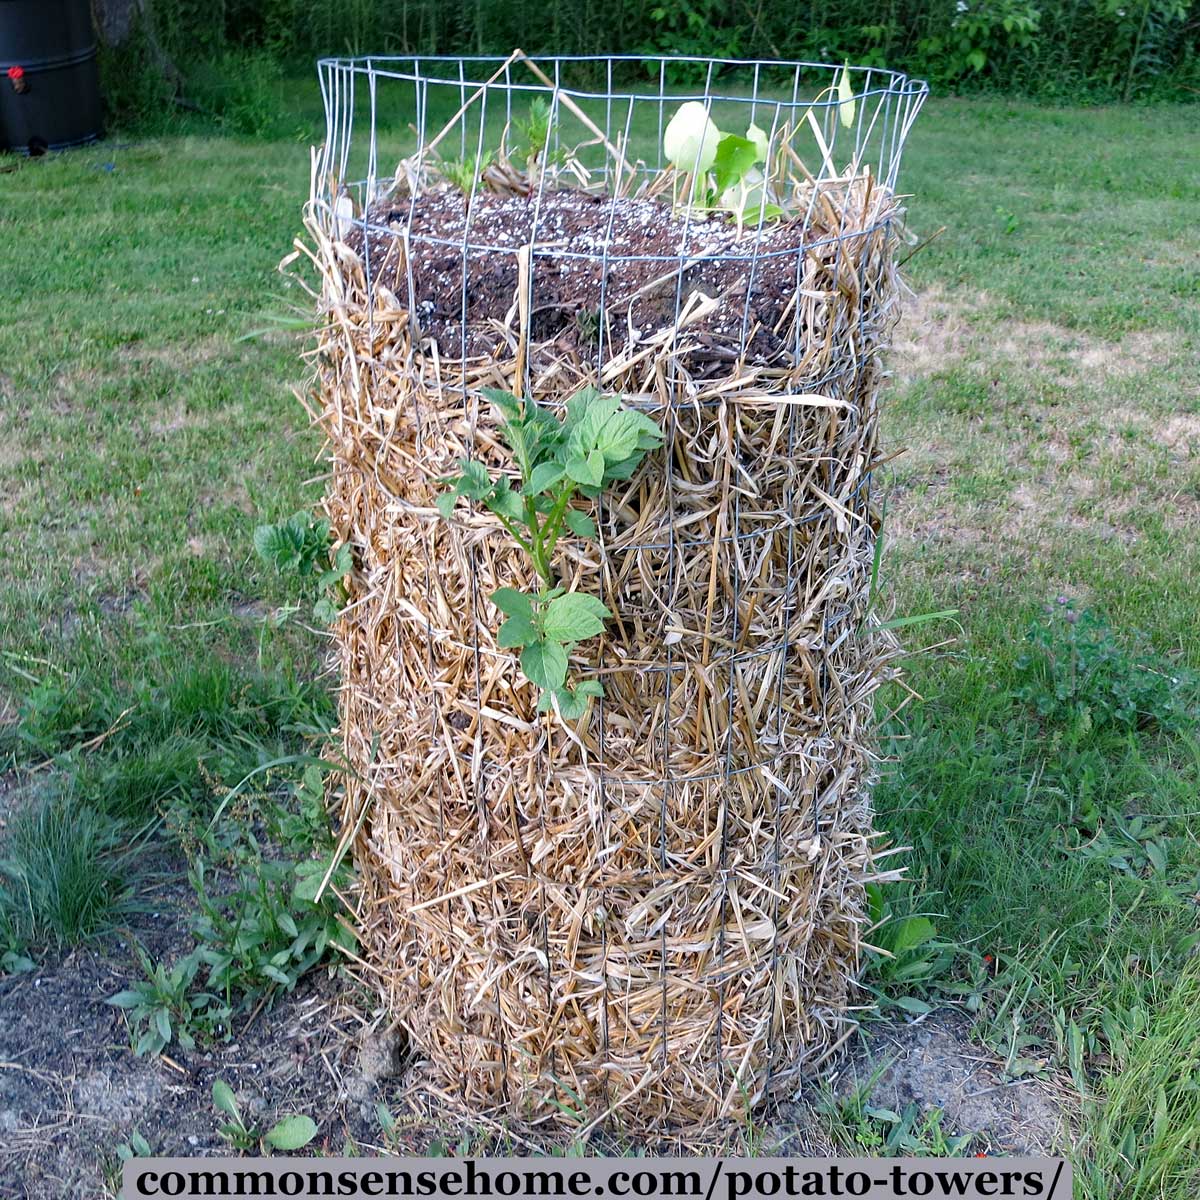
231	56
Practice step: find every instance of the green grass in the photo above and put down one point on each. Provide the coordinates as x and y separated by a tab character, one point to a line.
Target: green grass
62	879
1046	391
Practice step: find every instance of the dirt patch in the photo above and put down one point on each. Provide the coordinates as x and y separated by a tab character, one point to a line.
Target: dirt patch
206	349
940	329
176	417
933	1063
934	331
458	251
71	1090
1180	434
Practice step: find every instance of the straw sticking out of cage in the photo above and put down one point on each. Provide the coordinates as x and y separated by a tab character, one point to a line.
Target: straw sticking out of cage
652	915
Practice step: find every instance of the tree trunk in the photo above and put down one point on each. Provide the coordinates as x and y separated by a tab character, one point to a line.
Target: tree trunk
118	20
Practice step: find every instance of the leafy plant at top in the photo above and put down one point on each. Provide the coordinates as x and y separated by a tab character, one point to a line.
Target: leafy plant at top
534	129
300	546
724	168
464	173
598	442
730	171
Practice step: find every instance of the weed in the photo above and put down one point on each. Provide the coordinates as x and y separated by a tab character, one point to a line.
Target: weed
136	1147
863	1128
289	1134
63	877
269	928
164	1007
59	712
905	954
1078	676
300	546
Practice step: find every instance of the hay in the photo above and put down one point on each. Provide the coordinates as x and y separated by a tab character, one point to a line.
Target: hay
652	916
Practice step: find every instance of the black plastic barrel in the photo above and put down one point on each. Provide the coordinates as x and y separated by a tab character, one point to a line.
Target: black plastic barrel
49	80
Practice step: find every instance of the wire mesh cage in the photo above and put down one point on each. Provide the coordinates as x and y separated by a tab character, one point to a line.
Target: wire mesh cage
649	914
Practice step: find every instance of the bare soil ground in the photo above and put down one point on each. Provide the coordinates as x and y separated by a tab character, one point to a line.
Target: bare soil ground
71	1089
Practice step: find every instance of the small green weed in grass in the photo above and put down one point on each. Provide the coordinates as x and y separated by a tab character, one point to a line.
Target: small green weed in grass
862	1128
1077	674
906	956
165	1006
61	711
300	546
259	930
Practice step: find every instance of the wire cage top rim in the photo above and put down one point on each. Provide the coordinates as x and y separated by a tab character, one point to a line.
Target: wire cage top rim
892	82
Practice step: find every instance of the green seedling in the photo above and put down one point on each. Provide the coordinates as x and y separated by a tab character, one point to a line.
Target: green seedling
730	171
598	442
291	1133
533	130
464	173
164	1007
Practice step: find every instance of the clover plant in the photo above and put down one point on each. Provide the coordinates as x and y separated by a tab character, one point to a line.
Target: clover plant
597	442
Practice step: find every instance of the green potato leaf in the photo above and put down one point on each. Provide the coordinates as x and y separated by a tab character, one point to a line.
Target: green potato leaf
545	664
579	523
506	502
513	603
574	617
543	477
515	632
509	406
735	156
292	1133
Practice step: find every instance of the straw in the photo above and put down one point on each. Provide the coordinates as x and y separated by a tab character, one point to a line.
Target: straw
651	917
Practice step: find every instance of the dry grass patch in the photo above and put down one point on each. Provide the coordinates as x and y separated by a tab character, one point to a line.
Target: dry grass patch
940	329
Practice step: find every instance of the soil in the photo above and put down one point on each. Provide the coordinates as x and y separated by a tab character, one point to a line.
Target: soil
71	1090
933	1063
623	256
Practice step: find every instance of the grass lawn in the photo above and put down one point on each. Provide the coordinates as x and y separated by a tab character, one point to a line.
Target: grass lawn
1046	392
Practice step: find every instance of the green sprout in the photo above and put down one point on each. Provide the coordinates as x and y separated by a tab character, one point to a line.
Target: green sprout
464	173
726	169
598	442
731	172
534	129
